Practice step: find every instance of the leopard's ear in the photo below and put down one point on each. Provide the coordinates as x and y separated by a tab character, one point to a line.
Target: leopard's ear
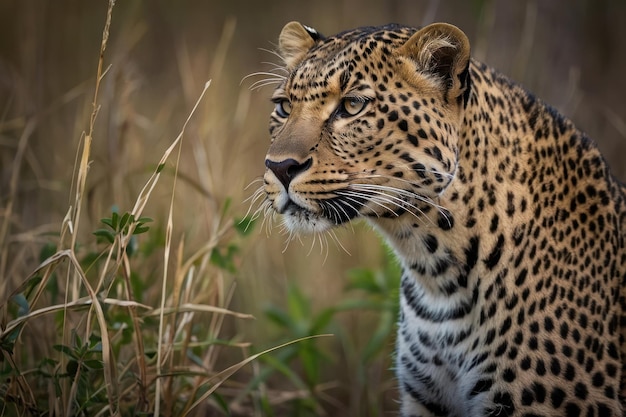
294	42
443	50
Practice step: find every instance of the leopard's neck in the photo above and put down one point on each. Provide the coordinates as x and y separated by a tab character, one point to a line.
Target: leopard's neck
476	221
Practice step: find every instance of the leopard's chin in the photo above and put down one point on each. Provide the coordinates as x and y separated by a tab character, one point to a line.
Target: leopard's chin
299	220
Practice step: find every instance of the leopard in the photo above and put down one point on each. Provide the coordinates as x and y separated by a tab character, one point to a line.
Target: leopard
504	217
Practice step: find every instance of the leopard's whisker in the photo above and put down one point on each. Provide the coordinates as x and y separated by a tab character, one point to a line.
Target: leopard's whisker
326	246
268	215
335	238
263	73
386	192
291	235
399	191
277	67
337	208
347	195
371	198
264	82
355	209
275	53
254	181
258	195
316	237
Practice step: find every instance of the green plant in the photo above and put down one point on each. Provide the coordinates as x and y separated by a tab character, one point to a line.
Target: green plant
308	363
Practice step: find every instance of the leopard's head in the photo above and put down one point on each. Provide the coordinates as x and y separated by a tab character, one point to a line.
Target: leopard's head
366	123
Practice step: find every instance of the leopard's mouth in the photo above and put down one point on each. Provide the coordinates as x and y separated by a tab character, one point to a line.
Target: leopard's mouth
323	215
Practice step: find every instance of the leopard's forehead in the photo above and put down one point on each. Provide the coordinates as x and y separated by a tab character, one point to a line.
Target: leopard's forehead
392	34
347	51
361	41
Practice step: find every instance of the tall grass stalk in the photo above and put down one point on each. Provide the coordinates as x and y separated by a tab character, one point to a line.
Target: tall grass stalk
137	210
72	224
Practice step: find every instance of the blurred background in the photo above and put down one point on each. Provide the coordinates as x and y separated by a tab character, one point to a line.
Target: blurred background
571	53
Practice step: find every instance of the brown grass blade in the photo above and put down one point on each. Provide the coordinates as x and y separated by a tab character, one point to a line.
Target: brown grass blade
228	372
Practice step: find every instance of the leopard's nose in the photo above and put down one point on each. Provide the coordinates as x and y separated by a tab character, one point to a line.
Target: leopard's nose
286	170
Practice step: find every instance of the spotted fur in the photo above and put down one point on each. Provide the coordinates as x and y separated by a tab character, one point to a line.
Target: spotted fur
504	216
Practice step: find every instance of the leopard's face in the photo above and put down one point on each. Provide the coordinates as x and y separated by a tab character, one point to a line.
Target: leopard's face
365	124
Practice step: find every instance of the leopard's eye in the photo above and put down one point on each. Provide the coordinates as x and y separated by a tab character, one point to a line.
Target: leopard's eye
351	106
283	107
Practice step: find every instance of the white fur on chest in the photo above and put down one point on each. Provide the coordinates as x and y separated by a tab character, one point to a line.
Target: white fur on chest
439	367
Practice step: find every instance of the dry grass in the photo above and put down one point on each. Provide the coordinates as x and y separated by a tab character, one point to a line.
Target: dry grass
83	317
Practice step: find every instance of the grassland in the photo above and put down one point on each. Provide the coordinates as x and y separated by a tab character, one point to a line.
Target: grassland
133	280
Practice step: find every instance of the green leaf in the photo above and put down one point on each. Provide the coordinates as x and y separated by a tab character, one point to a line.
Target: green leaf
115	218
8	342
71	367
140	229
105	235
224	258
266	407
108	222
280	364
94	364
363	279
226	206
309	356
78	343
95	343
244	226
360	304
322	320
65	349
221	402
32	283
126	219
380	338
299	306
160	168
278	316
